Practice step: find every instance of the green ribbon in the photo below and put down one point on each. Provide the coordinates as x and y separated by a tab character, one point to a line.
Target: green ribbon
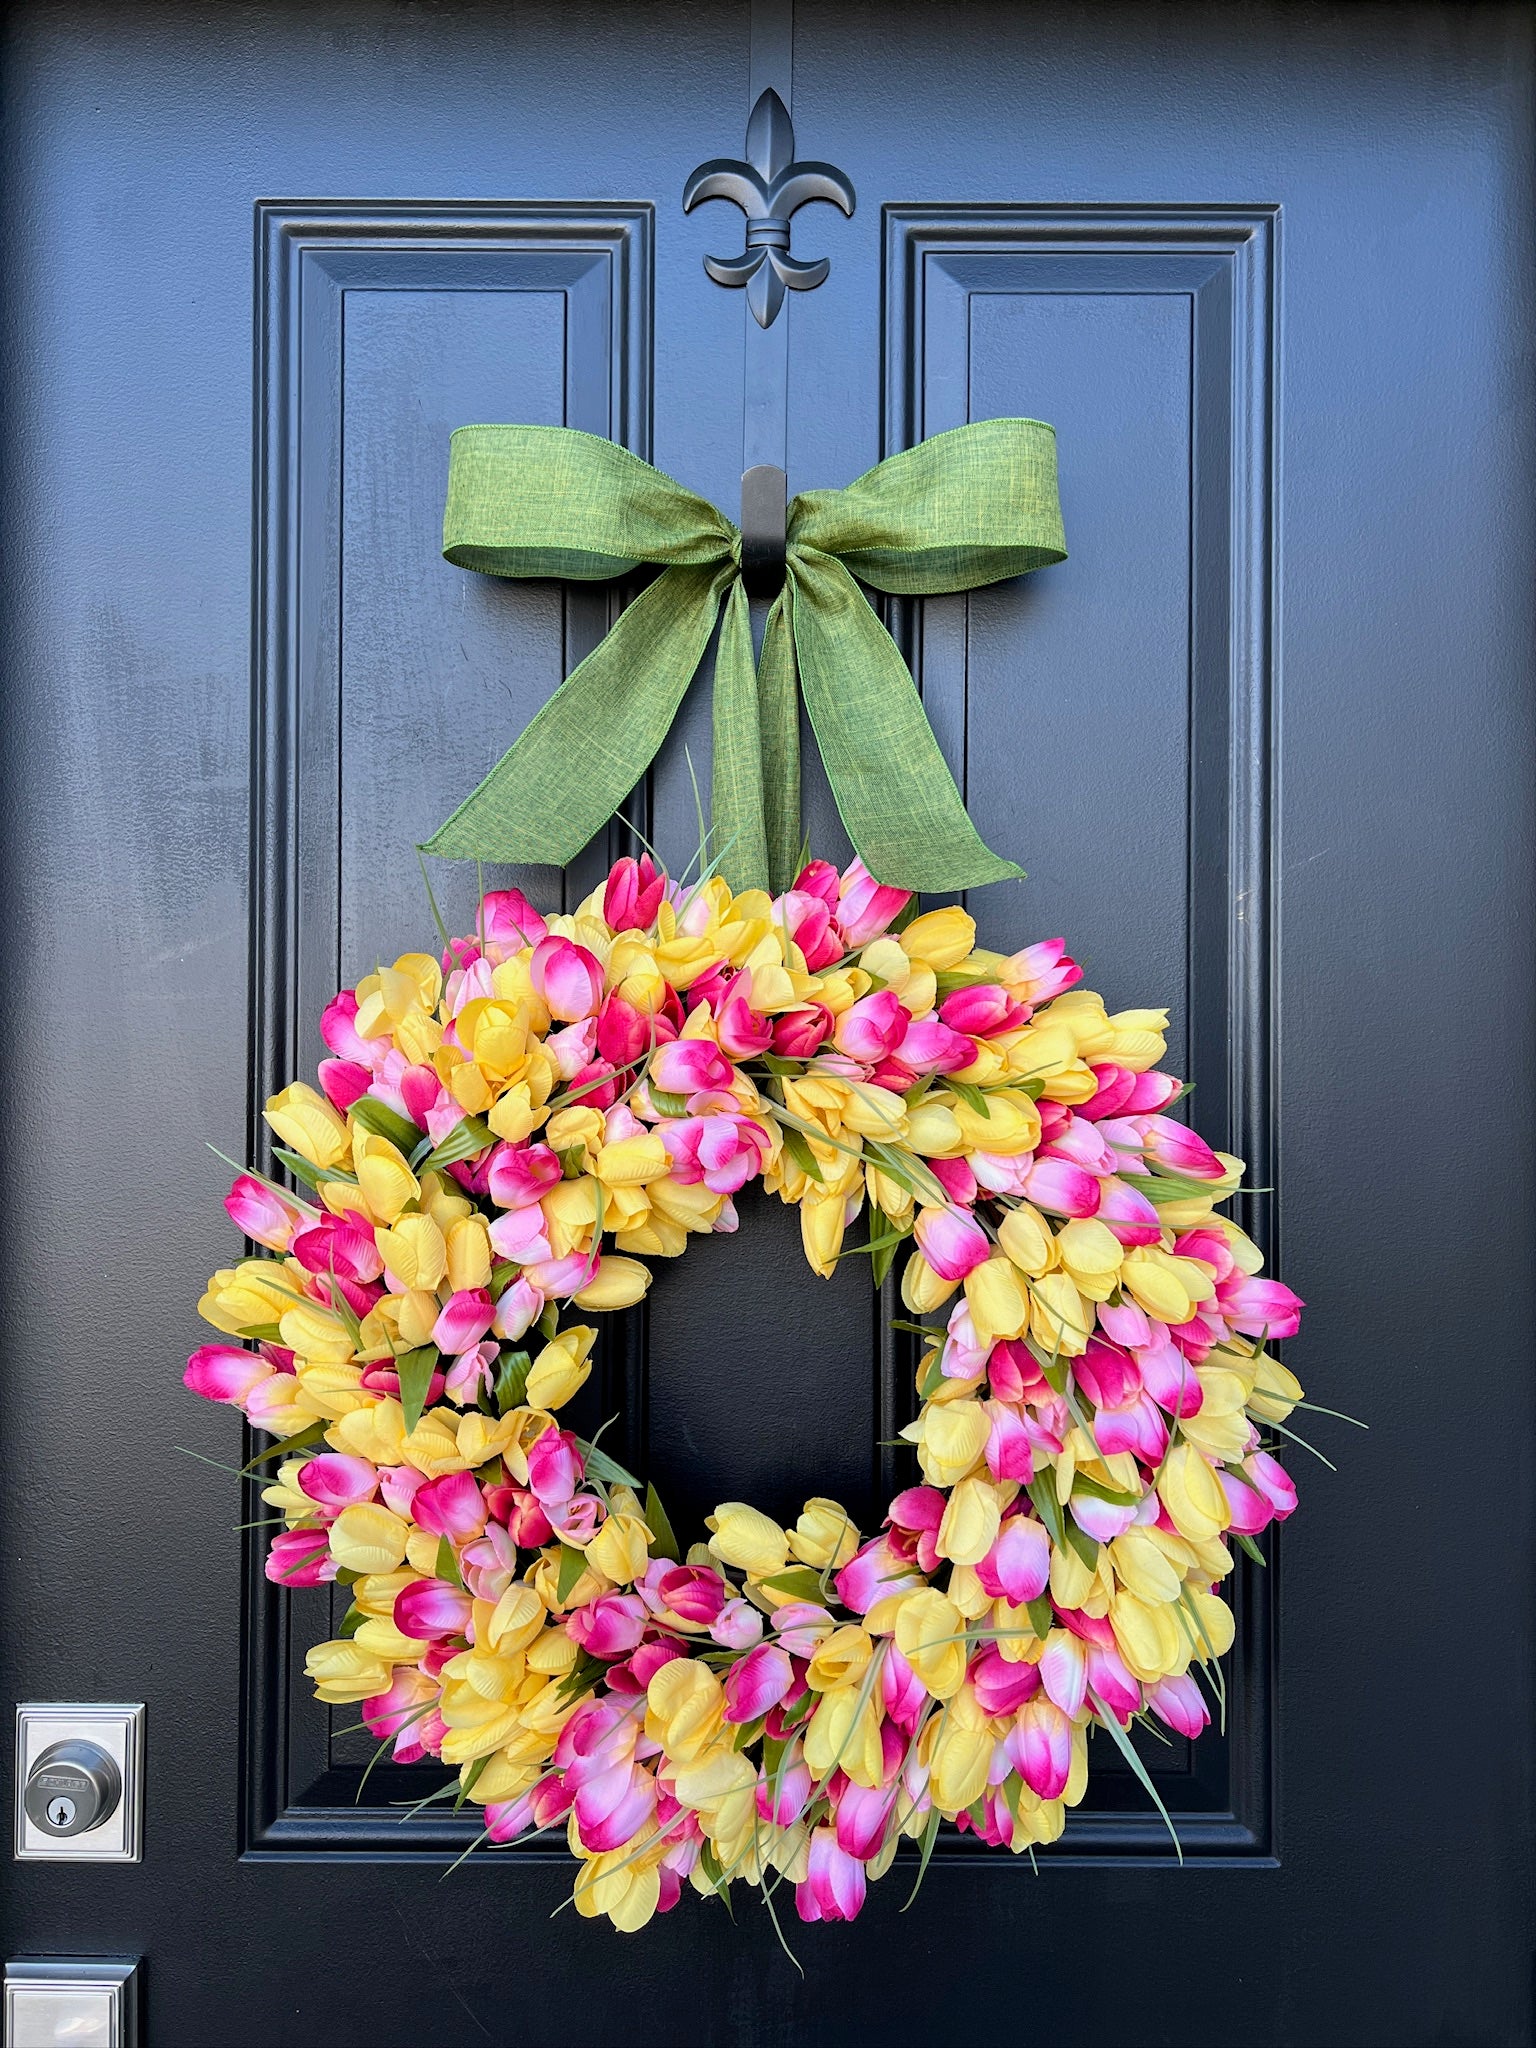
962	509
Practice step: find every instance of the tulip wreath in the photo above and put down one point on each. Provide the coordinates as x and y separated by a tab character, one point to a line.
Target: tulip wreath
506	1133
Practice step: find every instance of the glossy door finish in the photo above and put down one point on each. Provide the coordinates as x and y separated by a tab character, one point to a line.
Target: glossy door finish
1263	743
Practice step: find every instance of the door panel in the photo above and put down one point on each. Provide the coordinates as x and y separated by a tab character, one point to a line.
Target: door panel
1267	270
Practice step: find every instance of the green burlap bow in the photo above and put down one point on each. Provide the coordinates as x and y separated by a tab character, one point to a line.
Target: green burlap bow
964	508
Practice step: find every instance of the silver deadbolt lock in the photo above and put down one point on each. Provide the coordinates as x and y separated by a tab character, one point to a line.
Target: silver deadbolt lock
72	1786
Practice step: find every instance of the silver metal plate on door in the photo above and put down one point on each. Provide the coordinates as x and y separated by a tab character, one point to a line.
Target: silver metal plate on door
79	1782
66	2003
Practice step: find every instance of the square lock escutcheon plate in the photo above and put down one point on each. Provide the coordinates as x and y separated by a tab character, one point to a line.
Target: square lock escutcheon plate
116	1729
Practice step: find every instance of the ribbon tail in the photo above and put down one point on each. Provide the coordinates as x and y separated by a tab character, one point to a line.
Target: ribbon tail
896	796
739	846
578	758
778	700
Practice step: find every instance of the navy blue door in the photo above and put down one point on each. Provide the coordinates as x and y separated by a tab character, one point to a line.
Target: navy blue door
1263	744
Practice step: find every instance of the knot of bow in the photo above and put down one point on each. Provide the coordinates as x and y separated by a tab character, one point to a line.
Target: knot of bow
965	508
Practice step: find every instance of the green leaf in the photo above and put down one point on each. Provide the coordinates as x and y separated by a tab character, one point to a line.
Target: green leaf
1174	1187
415	1369
305	1169
1249	1548
667	1103
971	1096
351	1621
800	1151
512	1370
572	1565
1042	1616
263	1333
385	1122
1081	1544
470	1780
929	1836
799	1582
665	1544
1095	1490
601	1466
447	1565
1042	1491
1127	1749
466	1140
312	1433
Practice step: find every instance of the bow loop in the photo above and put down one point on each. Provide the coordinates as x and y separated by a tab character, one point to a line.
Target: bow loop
962	509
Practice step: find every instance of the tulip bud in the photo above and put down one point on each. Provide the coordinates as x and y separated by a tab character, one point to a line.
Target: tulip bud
747	1539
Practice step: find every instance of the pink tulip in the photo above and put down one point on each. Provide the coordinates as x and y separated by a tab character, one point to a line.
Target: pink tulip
344	1082
1168	1377
430	1611
1250	1511
1177	1703
800	1626
633	894
221	1372
694	1592
464	1321
930	1047
399	1486
758	1682
568	977
1062	1188
1039	1746
610	1626
1106	1374
266	1216
1013	1371
690	1066
874	1026
1129	1214
508	922
1113	1097
984	1012
1179	1149
398	1714
338	1027
520	1174
1260	1307
450	1506
1001	1687
1042	971
1138	1428
1010	1448
1064	1671
1272	1481
555	1468
526	1522
1018	1566
1110	1681
623	1032
549	1801
737	1626
1125	1324
559	1276
612	1807
339	1245
902	1691
1103	1520
743	1033
871	1574
833	1886
819	878
784	1794
300	1557
724	1152
952	1241
865	907
572	1048
521	1236
334	1481
799	1032
862	1817
811	927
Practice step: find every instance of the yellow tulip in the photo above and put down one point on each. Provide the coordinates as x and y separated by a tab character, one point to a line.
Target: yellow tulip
747	1539
684	1709
379	1636
960	1754
515	1115
376	1433
341	1673
1011	1125
951	1439
1144	1568
414	1251
616	1884
972	1517
617	1283
1060	1321
940	938
368	1538
516	1621
1215	1628
841	1658
824	1535
478	1439
1147	1637
845	1734
315	1332
1091	1253
1220	1428
630	1162
433	1447
1193	1495
561	1368
922	1289
1025	1236
822	1223
1275	1390
469	1253
930	1635
384	1180
998	1300
1152	1279
621	1548
308	1125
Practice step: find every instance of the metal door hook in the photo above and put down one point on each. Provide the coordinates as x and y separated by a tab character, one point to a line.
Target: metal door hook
763	529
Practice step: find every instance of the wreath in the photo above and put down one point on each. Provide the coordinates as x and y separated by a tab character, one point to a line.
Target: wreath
506	1133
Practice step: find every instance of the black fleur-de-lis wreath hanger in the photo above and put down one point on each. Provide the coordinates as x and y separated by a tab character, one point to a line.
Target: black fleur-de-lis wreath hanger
768	187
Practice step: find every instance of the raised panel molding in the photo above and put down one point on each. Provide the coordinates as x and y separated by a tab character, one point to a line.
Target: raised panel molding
939	261
596	261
